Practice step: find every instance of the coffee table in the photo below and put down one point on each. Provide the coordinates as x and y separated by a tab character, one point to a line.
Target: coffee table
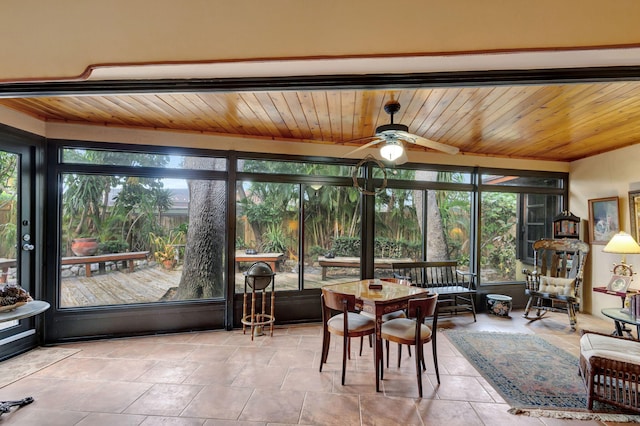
621	317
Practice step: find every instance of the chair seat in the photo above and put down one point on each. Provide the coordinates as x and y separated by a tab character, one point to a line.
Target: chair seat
596	345
386	317
357	324
402	330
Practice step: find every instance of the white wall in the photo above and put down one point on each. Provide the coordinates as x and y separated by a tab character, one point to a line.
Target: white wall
606	175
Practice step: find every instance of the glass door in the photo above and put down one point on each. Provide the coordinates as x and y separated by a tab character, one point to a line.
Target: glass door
16	243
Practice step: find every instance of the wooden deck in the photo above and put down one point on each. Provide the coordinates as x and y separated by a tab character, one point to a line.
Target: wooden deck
149	284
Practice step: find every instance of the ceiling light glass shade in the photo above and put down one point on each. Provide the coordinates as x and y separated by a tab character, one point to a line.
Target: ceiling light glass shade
622	243
391	151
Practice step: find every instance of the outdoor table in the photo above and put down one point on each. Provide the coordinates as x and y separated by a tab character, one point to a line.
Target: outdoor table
388	297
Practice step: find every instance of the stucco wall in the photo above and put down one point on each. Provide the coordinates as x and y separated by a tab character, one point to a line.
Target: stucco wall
606	175
40	39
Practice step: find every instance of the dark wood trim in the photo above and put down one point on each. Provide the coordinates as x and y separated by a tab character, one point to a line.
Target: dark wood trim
362	82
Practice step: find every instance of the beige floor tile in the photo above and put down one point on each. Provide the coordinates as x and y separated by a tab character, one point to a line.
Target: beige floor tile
223	378
218	402
274	406
448	413
164	400
329	409
307	379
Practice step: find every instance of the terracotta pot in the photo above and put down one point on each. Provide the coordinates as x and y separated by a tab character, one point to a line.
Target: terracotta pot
168	264
84	246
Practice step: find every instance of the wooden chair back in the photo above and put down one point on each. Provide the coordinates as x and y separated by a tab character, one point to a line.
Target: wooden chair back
338	301
561	258
424	307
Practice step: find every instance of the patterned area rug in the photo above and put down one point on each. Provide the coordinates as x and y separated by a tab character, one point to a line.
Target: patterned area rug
29	362
535	377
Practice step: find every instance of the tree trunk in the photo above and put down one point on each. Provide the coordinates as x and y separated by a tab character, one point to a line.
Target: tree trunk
436	243
202	272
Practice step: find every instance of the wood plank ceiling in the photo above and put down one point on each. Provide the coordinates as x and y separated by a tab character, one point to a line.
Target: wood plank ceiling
561	122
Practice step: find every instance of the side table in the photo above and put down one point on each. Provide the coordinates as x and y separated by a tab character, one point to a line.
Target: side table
621	318
30	309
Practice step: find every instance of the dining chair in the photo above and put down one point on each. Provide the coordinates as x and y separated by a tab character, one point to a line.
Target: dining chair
347	324
413	331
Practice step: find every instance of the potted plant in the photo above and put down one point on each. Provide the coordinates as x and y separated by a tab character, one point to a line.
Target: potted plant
165	248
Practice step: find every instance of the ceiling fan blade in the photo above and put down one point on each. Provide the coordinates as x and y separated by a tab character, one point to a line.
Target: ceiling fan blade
402	159
428	143
360	148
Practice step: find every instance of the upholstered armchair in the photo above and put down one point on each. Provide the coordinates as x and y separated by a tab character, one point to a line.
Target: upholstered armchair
610	368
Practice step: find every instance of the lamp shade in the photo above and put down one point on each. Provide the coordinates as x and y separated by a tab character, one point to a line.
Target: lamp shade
622	243
391	151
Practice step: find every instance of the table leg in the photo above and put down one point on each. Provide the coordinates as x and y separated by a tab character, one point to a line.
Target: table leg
5	406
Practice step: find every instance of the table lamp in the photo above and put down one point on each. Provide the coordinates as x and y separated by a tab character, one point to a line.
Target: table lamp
622	243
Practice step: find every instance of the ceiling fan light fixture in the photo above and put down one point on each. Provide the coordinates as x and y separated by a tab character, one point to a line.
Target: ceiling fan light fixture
391	151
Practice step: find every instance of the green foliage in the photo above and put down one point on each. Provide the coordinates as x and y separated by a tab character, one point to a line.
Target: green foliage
113	246
498	242
383	247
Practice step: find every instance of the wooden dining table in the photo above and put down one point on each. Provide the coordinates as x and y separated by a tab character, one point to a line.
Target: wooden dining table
389	297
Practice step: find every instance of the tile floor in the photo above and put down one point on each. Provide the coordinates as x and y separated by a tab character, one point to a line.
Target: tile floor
221	378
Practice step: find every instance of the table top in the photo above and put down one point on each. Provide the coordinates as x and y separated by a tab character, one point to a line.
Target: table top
614	293
25	311
388	293
619	315
243	255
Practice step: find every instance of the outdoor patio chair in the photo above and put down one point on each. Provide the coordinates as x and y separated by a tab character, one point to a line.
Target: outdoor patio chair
413	331
346	324
554	283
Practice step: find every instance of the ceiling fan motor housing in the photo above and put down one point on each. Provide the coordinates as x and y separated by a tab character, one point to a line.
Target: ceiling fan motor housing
393	126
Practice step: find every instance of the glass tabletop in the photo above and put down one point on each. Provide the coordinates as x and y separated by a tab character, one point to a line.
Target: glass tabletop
619	314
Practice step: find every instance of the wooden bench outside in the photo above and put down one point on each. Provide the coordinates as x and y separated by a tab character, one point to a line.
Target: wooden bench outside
456	289
126	258
271	259
353	262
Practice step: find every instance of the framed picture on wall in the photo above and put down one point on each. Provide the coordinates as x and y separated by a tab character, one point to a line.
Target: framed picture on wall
634	213
604	219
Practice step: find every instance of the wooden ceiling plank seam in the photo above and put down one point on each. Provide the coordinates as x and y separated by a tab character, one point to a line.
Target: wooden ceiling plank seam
458	111
297	113
564	114
348	109
286	115
321	107
237	107
218	107
311	116
120	113
457	134
334	106
264	111
176	118
216	123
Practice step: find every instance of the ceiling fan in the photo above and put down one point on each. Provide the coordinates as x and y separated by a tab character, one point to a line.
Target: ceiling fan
394	136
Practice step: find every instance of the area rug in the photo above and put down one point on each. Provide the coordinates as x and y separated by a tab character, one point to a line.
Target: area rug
534	376
30	362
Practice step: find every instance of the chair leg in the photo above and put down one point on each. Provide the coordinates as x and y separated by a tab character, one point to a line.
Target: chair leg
386	343
435	358
345	349
473	307
418	357
361	340
399	354
326	339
